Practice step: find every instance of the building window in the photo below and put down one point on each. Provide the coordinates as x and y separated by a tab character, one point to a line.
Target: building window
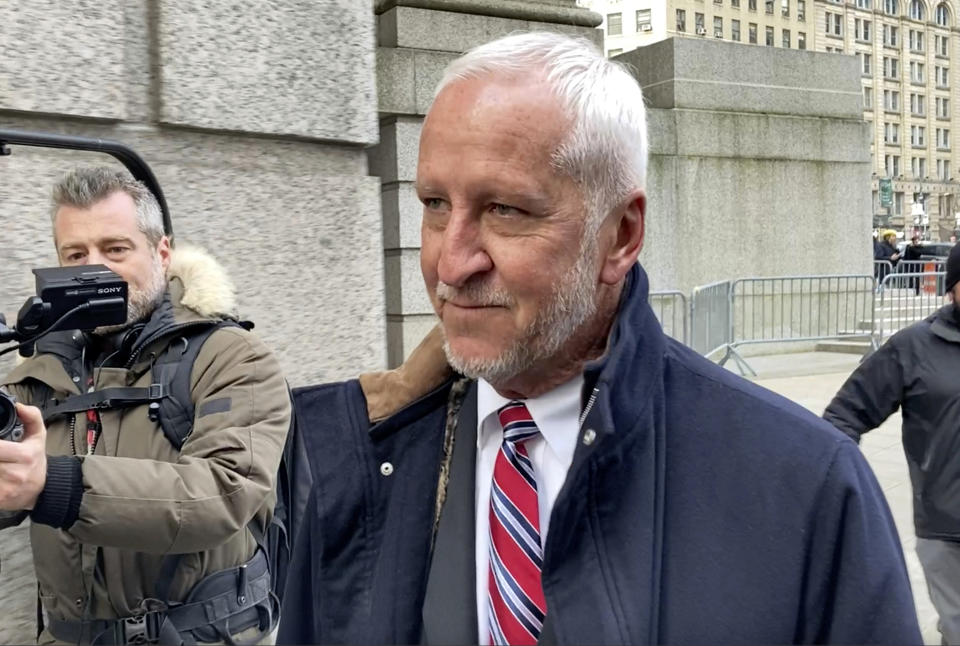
801	40
943	169
717	27
861	29
834	24
890	7
785	39
699	24
941	15
943	139
917	104
752	33
940	45
734	3
918	166
891	67
785	7
801	10
891	36
681	20
867	97
735	30
918	136
891	133
872	132
898	199
943	107
891	100
916	72
643	20
916	40
916	10
769	35
866	61
891	164
614	24
752	5
768	6
863	4
942	76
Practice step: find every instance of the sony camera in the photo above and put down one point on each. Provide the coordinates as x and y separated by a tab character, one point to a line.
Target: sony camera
68	298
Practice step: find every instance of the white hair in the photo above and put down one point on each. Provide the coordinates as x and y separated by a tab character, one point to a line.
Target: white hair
606	150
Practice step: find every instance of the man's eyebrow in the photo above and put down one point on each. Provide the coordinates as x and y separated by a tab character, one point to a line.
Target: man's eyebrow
100	242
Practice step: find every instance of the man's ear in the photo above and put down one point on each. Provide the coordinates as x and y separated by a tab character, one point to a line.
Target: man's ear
628	223
164	251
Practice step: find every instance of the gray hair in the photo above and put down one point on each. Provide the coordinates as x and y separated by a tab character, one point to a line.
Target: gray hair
606	150
84	187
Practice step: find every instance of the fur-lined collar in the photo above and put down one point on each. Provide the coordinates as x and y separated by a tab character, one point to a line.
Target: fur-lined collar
207	289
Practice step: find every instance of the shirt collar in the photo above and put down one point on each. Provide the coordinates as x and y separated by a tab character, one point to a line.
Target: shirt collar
555	412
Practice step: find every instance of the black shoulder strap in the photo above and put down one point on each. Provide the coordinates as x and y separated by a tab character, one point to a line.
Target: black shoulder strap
106	398
172	369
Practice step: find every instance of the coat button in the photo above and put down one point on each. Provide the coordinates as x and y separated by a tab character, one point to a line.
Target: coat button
589	436
386	469
78	601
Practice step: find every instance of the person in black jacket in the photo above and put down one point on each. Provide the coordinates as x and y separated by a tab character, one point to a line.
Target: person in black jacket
885	250
918	370
911	255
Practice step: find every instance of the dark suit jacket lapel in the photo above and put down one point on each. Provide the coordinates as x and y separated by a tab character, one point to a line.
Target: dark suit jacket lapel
450	604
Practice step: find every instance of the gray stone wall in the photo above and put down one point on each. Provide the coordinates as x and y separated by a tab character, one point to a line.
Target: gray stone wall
254	116
759	163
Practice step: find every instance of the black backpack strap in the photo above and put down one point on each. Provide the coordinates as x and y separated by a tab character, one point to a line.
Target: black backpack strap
107	398
175	415
173	368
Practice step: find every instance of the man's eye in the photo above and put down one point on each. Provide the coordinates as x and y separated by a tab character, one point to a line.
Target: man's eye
504	209
432	203
116	250
74	257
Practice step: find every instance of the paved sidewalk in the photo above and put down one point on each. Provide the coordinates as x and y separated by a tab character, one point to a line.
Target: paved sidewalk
811	379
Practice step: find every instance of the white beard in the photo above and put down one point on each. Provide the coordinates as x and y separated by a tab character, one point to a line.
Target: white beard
572	303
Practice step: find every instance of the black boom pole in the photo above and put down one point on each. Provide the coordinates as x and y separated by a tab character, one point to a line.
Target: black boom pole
124	154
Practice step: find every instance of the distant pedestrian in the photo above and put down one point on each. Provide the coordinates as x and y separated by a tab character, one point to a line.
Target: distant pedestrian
886	250
918	370
911	264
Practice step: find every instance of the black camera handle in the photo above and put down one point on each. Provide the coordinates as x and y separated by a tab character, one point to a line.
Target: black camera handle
12	334
124	154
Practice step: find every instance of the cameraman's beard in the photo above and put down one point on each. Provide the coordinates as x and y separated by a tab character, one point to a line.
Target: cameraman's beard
141	302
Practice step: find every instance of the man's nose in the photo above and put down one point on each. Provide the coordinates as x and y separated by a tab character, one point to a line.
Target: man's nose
462	252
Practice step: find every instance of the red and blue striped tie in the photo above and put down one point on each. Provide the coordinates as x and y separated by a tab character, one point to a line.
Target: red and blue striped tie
516	606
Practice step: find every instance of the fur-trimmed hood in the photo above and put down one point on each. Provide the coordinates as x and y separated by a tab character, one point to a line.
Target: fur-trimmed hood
206	287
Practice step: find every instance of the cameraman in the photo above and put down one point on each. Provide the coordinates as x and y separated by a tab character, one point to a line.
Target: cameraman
119	516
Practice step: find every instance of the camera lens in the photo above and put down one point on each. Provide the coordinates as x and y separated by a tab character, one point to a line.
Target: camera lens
10	427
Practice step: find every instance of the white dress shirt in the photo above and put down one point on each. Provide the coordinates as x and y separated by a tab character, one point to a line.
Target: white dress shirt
556	414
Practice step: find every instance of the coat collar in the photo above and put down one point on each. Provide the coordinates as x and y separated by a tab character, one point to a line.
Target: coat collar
944	325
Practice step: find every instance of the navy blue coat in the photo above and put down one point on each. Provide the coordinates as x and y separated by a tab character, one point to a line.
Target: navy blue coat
708	510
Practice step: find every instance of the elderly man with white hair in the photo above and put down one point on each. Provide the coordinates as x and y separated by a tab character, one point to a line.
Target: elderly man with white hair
548	466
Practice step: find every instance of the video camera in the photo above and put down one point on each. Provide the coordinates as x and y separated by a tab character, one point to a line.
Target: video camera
68	298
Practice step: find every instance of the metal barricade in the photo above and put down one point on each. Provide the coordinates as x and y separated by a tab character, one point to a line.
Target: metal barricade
799	308
670	308
906	298
881	268
710	317
920	266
